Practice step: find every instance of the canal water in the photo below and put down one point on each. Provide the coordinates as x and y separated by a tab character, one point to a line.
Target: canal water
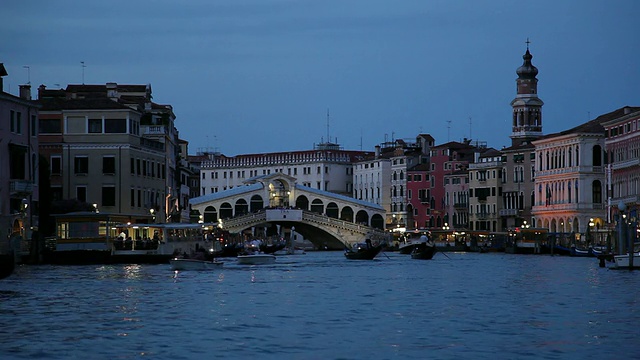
323	306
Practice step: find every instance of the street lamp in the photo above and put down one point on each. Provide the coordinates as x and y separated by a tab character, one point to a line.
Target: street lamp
590	231
153	214
95	208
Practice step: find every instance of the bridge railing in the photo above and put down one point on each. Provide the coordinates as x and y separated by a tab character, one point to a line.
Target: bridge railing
312	217
247	219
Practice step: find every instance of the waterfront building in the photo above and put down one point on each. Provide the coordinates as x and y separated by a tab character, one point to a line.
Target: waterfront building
485	187
384	178
570	194
419	197
518	160
456	201
327	167
447	159
111	146
19	171
622	145
372	179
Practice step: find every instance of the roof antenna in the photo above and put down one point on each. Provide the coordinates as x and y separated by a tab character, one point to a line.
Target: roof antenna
470	128
448	129
328	138
83	66
28	74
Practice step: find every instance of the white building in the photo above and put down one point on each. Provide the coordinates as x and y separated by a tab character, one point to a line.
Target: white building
570	179
327	167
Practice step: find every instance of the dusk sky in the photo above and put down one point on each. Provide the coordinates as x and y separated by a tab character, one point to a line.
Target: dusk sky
258	76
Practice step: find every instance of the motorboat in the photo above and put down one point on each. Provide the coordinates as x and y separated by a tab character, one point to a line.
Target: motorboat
194	264
622	261
256	259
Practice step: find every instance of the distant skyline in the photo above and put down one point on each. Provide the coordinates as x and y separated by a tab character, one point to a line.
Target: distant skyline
258	76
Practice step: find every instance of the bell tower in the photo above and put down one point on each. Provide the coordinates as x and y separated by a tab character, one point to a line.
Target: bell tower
527	107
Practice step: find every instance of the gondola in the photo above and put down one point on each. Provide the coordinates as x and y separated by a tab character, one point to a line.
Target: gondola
363	252
423	252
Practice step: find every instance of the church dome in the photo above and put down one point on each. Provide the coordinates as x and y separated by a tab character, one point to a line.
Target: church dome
527	70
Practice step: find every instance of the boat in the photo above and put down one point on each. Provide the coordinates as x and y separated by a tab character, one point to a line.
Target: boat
256	259
289	251
364	251
194	264
622	261
103	238
424	251
408	246
576	252
272	248
228	250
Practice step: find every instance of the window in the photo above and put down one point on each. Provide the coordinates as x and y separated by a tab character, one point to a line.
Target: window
81	165
50	126
95	126
81	193
56	165
108	195
19	122
115	126
108	165
34	125
13	121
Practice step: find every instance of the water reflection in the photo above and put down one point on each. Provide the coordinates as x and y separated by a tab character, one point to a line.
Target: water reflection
324	306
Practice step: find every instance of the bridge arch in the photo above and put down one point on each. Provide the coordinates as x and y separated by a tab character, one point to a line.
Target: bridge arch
279	191
377	221
226	211
302	202
347	214
317	206
256	203
332	210
362	217
241	207
210	214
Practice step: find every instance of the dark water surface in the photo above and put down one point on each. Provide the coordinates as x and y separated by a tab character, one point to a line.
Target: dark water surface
322	306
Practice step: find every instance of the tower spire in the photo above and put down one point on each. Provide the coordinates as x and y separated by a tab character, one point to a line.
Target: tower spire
527	107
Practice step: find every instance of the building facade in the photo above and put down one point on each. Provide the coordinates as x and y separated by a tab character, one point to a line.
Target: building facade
327	167
622	145
485	192
570	185
19	171
110	146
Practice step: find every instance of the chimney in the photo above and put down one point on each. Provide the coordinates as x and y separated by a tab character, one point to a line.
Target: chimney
41	90
377	151
3	72
25	92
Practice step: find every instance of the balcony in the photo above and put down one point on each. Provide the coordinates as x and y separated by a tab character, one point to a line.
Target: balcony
155	130
508	212
461	205
20	187
625	164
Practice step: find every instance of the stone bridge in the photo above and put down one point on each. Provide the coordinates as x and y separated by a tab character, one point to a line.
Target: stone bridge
323	231
326	219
